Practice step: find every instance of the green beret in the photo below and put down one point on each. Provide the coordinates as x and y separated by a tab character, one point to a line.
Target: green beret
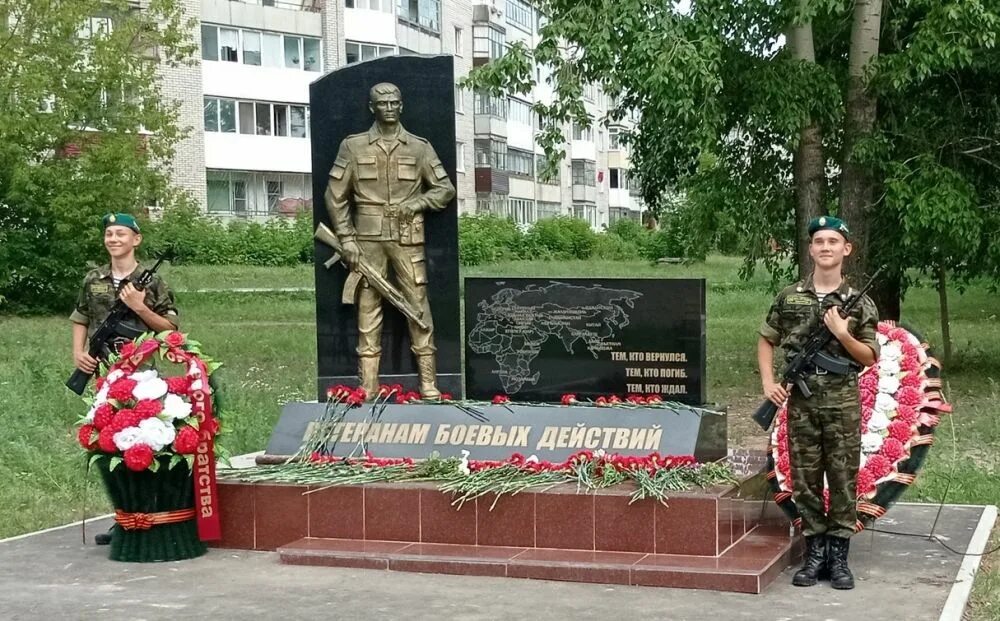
828	223
121	219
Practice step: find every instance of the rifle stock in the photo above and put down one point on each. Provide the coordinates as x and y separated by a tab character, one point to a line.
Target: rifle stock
764	416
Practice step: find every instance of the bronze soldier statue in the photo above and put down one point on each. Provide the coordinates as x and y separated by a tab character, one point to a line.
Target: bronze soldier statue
379	188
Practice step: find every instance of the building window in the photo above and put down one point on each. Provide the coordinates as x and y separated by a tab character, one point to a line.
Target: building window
459	42
254	193
251	48
621	213
585	134
422	13
584	173
374	5
614	138
488	42
519	111
618	179
586	211
260	48
521	162
521	210
492	106
547	209
459	100
366	51
520	13
539	167
460	156
255	118
495	204
499	152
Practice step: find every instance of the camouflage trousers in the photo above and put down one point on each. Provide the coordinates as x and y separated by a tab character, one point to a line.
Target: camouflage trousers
824	439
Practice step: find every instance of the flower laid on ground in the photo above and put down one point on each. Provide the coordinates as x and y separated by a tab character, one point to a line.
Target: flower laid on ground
138	415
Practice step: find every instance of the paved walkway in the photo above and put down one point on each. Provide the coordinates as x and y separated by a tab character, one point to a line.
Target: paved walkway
52	575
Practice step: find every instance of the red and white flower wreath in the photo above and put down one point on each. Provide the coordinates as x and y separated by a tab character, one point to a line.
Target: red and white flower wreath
901	404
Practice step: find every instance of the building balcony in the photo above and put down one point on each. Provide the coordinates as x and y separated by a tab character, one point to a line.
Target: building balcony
584	193
239	81
489	125
231	151
310	6
492	181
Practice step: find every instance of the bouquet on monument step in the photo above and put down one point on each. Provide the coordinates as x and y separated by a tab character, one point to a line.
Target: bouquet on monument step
151	434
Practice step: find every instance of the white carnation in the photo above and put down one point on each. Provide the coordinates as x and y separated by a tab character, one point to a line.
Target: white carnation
878	422
142	376
888	384
102	395
114	376
891	351
156	433
882	339
175	407
864	460
127	438
463	466
871	443
153	388
885	403
888	367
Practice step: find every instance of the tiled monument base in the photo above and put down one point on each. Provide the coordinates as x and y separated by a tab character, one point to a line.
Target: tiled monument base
725	538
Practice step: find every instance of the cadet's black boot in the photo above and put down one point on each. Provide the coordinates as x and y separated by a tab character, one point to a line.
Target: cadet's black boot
815	561
840	573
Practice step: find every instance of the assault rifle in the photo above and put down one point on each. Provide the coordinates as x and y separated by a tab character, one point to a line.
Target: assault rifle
363	269
811	357
111	327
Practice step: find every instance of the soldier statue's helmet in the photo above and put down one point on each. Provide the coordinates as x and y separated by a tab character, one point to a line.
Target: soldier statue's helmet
829	223
120	219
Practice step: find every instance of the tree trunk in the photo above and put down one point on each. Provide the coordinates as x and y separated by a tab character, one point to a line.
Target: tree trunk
856	186
809	175
945	317
886	293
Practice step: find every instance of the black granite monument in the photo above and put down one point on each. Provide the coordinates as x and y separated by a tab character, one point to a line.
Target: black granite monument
339	104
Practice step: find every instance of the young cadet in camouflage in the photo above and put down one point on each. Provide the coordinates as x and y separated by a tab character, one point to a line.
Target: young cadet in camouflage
153	308
824	430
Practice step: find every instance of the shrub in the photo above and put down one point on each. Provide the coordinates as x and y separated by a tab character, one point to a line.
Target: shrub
560	237
488	239
612	247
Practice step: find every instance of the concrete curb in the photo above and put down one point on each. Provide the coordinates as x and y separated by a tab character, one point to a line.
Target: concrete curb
958	598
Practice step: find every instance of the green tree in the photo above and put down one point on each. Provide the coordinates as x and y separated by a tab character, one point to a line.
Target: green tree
766	113
83	131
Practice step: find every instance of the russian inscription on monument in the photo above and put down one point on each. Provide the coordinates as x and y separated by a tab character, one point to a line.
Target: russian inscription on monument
538	339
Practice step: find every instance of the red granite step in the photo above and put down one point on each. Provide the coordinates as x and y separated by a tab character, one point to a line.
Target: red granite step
746	567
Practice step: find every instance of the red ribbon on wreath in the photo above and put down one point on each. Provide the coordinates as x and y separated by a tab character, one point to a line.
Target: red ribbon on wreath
206	496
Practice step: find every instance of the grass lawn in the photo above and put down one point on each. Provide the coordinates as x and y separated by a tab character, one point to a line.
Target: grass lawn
268	344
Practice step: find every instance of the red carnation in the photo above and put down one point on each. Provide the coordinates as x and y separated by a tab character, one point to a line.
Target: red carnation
99	383
912	380
121	390
127	350
884	328
906	414
651	399
784	465
500	399
899	334
892	449
125	418
106	440
568	399
149	346
148	408
174	339
879	466
865	482
446	396
86	437
178	385
868	382
139	456
900	430
186	442
910	364
103	415
909	396
826	500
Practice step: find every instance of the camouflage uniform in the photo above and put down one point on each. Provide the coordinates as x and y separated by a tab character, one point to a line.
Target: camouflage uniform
98	295
824	431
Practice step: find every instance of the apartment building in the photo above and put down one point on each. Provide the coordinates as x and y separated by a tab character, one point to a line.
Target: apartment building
247	104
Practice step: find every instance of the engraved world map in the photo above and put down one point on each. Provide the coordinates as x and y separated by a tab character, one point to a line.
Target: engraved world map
513	324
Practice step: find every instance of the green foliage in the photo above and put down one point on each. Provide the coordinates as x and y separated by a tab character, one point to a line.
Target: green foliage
84	133
488	239
561	237
199	239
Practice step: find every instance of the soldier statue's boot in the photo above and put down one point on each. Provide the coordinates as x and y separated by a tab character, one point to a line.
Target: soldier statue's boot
368	374
840	574
427	371
815	561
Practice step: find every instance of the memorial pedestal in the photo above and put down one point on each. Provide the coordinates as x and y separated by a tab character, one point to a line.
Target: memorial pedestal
729	538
